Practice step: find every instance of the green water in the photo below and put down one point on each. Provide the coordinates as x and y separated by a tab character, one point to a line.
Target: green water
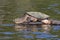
11	9
15	8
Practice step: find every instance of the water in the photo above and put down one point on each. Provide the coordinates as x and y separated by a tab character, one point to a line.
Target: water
29	32
38	32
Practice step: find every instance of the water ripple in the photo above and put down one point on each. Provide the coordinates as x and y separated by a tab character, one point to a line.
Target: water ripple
37	32
45	36
56	28
7	24
6	37
55	4
7	33
1	29
28	36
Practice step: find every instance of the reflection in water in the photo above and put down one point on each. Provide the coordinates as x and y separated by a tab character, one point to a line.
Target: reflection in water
30	32
34	31
33	28
46	28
